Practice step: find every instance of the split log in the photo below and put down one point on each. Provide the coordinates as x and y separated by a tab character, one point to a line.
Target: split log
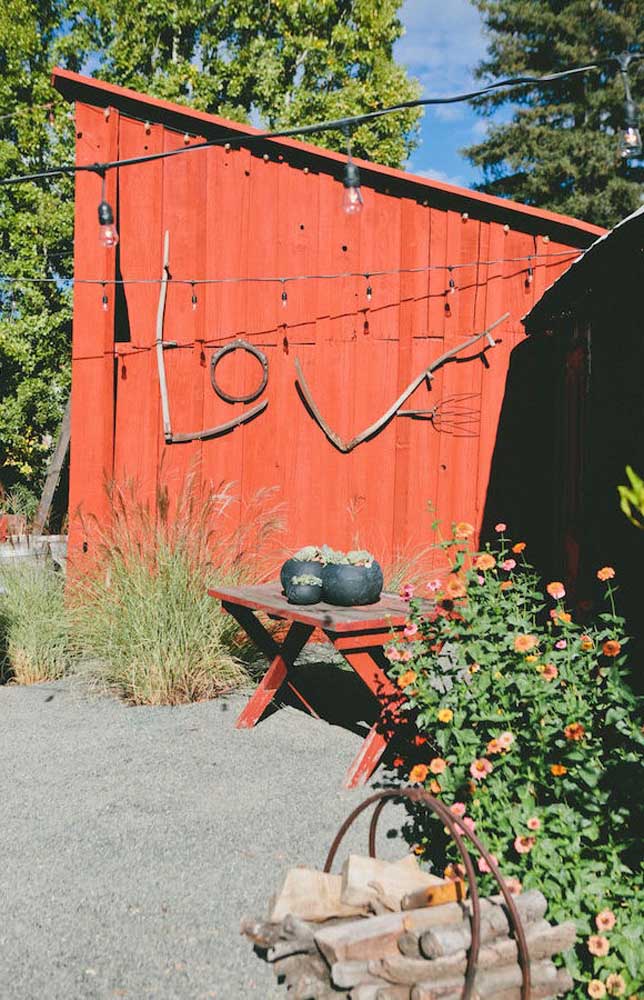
311	895
439	941
443	891
366	881
348	974
400	969
261	932
490	983
382	992
296	946
378	936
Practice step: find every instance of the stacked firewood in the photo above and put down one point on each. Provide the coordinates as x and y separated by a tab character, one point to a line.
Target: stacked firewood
390	931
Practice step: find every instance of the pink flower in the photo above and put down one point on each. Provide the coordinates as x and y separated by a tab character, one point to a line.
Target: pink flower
458	808
598	945
433	586
534	823
392	654
561	644
514	885
505	740
606	920
469	823
500	527
407	592
483	865
480	579
549	672
480	768
410	630
437	765
523	845
508	564
405	655
556	590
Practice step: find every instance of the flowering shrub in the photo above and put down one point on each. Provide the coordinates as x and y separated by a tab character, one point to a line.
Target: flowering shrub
528	732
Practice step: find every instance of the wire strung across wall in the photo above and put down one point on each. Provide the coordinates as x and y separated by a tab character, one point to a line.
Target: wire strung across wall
283	279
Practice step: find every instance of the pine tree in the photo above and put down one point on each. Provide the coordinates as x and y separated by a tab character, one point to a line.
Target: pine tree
559	151
275	63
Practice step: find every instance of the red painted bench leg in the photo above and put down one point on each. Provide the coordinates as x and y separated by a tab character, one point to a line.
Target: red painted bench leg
367	759
275	676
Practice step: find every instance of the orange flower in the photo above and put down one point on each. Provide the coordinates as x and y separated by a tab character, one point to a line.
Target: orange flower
531	658
585	642
506	585
558	770
494	747
524	643
406	679
484	561
611	647
556	589
434	787
615	984
549	672
455	587
605	920
598	945
437	765
463	530
519	547
418	772
398	762
605	573
575	731
561	616
445	715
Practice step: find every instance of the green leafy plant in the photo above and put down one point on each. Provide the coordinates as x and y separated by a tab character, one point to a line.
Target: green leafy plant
143	622
34	632
530	734
632	498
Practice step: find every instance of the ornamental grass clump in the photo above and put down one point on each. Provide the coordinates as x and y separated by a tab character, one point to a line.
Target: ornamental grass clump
143	622
34	634
529	732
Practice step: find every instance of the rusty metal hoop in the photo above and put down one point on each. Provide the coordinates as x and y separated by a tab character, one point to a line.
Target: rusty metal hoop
457	829
239	345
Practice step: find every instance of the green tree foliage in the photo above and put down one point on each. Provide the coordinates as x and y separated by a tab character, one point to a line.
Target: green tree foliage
558	150
273	62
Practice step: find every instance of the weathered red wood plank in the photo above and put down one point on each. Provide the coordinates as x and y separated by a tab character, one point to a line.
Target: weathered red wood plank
92	409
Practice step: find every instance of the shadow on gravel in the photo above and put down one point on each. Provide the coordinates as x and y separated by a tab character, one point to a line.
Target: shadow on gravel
337	695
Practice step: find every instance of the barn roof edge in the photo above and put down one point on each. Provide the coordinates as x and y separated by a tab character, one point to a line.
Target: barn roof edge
132	103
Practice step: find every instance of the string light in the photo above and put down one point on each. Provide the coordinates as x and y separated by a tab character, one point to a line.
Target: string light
630	140
452	284
104	300
529	273
194	297
107	232
352	201
284	295
369	291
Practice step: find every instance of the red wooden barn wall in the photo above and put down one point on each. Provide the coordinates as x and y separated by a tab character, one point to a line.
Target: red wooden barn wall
241	213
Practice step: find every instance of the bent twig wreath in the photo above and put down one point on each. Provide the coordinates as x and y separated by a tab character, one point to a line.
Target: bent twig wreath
426	374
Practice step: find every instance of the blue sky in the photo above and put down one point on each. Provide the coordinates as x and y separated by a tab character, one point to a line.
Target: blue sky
443	42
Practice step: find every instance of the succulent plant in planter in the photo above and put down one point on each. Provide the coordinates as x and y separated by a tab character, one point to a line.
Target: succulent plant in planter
354	579
307	560
304	589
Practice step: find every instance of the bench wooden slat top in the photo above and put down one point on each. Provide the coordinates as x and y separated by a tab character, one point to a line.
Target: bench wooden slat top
390	611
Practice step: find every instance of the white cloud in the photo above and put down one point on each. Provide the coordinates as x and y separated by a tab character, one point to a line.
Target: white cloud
438	175
444	41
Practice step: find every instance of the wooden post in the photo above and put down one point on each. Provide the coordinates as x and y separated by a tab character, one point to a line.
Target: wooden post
53	472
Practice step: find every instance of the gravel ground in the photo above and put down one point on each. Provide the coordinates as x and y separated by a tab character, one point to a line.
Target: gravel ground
135	839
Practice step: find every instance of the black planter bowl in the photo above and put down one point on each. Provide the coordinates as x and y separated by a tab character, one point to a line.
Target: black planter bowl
348	586
299	567
303	593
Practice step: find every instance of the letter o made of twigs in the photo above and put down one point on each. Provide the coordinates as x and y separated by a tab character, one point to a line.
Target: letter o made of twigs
239	345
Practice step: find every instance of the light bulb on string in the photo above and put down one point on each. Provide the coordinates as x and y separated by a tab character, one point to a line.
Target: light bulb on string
369	289
352	201
284	296
529	273
630	138
451	287
194	297
104	300
107	232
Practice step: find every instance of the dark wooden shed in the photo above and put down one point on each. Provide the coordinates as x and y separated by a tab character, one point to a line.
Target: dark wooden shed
369	306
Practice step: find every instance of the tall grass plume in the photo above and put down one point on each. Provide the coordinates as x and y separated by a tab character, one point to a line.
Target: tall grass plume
142	617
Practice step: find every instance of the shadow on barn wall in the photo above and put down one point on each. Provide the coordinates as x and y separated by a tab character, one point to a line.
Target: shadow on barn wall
571	421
